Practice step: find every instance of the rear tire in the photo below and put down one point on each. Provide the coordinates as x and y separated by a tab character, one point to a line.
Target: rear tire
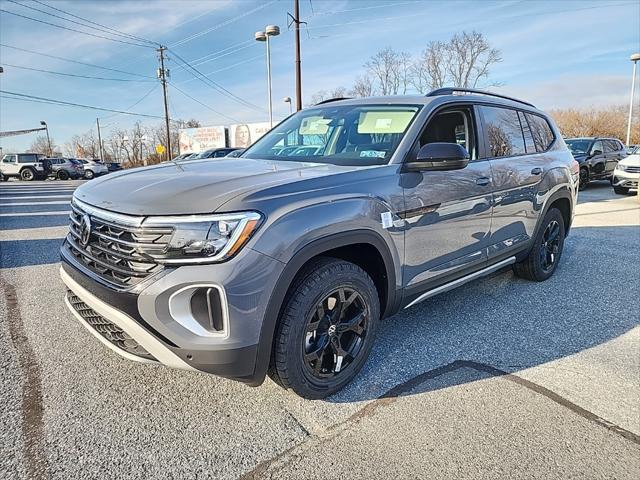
546	251
3	178
27	174
63	175
88	174
327	328
621	190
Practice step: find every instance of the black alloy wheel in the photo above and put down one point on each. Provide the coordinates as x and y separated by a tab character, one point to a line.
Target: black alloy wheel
63	175
550	246
335	333
326	328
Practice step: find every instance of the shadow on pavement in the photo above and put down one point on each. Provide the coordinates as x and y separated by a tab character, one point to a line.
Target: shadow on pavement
510	323
21	253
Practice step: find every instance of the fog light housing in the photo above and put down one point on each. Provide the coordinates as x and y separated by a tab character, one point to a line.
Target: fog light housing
201	309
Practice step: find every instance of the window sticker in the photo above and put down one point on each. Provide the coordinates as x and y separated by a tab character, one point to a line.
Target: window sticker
384	122
314	125
373	153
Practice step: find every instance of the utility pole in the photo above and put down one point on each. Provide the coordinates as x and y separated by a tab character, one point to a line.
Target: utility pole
99	140
162	75
296	19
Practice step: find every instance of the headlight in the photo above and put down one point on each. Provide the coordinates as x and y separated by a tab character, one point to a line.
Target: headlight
621	167
205	238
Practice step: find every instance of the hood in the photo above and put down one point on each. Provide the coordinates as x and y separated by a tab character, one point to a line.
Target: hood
193	187
631	161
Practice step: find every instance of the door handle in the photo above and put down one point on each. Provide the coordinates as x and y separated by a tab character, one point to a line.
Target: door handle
482	181
536	171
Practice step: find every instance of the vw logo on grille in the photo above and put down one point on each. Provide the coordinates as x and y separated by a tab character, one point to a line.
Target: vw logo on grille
85	230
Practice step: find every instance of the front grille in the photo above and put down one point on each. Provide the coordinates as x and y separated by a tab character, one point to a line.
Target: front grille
122	255
633	169
108	330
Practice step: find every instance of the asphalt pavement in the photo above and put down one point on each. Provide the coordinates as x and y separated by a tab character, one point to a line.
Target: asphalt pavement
501	378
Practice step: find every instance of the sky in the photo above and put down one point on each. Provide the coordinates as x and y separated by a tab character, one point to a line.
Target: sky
556	54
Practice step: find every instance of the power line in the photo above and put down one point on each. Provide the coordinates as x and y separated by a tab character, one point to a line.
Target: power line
74	75
220	25
116	32
108	30
203	104
215	85
20	96
225	51
132	105
74	30
75	61
229	67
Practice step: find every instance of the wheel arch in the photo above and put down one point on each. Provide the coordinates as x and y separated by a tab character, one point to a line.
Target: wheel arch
337	245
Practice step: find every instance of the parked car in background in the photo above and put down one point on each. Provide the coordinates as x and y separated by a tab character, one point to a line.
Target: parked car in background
286	264
25	166
627	173
114	166
93	168
65	168
236	153
597	157
633	149
181	157
215	153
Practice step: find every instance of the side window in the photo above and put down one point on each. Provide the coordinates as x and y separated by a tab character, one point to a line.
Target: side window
528	136
452	126
597	146
609	146
27	158
542	134
9	159
503	131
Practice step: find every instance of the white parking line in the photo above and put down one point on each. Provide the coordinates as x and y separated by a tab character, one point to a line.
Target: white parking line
34	214
39	197
40	233
23	204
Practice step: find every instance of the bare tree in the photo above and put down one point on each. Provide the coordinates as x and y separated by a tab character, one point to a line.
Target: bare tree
469	57
41	145
389	71
429	71
321	95
602	122
464	61
363	87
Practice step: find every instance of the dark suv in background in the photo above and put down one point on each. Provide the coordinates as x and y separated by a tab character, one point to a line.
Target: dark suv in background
597	157
287	263
66	168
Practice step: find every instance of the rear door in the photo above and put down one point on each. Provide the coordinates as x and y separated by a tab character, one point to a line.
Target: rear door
613	154
517	167
447	213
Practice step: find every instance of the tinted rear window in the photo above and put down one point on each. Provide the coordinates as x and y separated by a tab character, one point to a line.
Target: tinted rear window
503	131
541	132
27	158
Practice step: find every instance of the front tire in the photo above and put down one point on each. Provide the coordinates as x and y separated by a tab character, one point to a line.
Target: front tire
28	175
584	179
88	174
545	254
327	328
621	190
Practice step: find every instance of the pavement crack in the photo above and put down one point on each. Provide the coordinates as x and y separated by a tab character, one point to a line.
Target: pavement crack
263	469
32	405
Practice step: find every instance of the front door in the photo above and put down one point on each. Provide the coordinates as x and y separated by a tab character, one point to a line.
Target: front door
447	214
10	165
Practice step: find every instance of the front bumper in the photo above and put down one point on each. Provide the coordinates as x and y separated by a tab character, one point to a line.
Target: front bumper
625	179
146	319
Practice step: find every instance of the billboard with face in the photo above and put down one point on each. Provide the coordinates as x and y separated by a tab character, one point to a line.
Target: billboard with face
194	140
244	134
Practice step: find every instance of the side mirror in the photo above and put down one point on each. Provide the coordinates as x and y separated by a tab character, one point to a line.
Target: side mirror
438	156
596	152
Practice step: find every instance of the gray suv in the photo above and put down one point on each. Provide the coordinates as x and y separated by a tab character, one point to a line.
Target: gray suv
284	264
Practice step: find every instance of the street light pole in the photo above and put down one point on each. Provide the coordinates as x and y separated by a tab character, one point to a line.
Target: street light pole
46	127
634	58
269	31
288	100
99	140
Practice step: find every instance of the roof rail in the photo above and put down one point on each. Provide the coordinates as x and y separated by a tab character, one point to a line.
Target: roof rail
333	100
452	90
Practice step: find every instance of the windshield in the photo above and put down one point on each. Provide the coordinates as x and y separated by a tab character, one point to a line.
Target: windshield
578	146
343	135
